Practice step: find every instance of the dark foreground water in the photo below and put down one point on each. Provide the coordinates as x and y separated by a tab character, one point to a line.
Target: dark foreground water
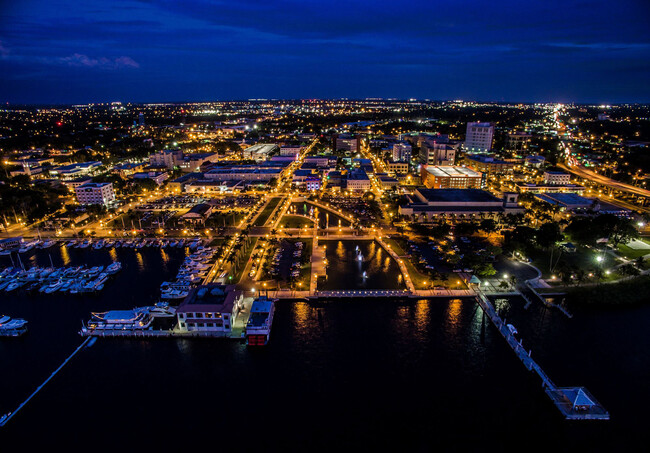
347	375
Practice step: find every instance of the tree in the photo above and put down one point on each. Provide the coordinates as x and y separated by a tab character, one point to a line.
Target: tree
623	231
488	226
548	235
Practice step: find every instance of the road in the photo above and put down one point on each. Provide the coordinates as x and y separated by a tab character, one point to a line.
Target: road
600	179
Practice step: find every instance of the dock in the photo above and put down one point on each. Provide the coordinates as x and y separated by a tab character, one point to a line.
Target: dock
575	403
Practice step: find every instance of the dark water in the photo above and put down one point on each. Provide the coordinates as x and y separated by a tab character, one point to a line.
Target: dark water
325	218
349	375
345	270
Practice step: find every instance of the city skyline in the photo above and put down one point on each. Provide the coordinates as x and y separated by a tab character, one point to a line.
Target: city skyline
140	52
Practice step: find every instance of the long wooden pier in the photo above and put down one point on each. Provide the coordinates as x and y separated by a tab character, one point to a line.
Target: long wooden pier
575	403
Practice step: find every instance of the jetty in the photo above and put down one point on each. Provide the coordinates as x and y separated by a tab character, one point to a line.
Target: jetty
575	403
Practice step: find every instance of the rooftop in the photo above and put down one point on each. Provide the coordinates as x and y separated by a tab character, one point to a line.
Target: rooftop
211	298
459	195
451	171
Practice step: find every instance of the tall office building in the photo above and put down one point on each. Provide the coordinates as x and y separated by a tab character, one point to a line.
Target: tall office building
95	193
141	119
479	137
435	153
402	152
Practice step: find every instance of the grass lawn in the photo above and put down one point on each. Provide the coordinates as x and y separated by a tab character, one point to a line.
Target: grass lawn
270	207
631	253
294	221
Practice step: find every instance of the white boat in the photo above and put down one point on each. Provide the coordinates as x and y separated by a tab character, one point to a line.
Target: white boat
136	319
54	287
162	310
47	244
26	247
12	327
174	294
114	268
512	329
14	285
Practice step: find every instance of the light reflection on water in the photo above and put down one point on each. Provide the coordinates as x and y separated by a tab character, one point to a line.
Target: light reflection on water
65	255
346	270
140	260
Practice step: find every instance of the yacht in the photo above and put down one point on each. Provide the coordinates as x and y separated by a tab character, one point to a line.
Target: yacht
162	310
47	244
136	319
26	247
258	328
114	268
12	327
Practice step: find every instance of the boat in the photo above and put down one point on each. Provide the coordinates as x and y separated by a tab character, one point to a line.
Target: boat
54	287
14	285
136	319
12	327
512	329
114	268
26	247
258	328
47	244
162	310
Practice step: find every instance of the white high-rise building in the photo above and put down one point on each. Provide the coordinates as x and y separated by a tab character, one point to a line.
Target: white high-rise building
402	152
95	193
479	137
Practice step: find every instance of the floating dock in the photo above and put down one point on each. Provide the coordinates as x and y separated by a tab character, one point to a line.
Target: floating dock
575	403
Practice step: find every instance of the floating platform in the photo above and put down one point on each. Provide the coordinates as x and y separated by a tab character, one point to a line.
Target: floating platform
576	403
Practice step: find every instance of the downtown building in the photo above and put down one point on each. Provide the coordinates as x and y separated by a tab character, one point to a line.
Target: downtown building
95	193
478	137
449	177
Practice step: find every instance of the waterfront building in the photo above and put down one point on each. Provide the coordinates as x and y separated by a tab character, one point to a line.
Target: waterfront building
428	204
447	177
95	193
210	308
478	137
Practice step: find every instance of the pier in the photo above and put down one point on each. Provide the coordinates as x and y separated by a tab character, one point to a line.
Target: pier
575	403
5	418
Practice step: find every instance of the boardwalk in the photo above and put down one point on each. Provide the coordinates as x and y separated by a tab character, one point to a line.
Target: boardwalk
566	399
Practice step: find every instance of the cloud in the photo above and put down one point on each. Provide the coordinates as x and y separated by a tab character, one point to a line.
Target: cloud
80	60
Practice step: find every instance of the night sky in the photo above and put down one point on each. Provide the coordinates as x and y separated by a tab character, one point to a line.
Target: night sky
54	51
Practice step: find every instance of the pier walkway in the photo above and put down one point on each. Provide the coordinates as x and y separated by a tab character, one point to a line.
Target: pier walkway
575	403
371	293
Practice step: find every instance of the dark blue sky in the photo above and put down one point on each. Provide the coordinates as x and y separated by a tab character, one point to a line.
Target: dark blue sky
193	50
